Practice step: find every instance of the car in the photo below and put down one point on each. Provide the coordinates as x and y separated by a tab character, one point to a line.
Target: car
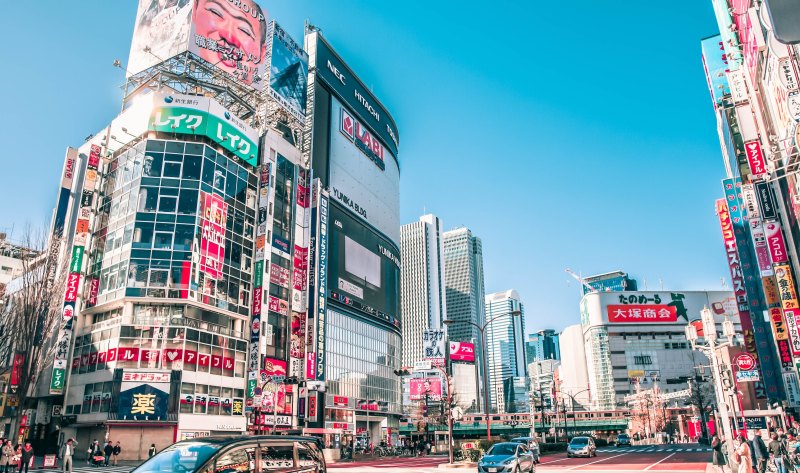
238	454
623	439
507	457
581	447
532	445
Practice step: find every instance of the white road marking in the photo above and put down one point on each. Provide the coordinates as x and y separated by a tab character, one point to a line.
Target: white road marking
597	461
656	463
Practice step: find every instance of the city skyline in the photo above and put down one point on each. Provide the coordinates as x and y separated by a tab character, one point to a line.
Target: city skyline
511	118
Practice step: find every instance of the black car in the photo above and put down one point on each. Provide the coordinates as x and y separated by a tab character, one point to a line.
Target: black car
240	454
623	440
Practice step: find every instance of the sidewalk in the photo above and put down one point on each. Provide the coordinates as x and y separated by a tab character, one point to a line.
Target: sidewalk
39	461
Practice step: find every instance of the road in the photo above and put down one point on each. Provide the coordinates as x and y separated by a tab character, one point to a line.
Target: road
681	458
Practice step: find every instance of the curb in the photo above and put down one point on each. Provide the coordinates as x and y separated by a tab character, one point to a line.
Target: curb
457	465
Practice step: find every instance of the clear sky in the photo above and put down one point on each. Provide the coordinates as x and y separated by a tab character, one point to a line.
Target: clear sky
564	133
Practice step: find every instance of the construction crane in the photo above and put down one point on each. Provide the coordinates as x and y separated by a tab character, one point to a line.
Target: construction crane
580	280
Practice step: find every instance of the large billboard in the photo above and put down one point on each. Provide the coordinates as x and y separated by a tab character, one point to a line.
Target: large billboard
288	76
231	35
364	176
195	115
662	307
213	221
364	268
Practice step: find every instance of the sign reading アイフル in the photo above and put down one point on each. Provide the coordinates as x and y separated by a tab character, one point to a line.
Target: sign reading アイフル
338	76
193	115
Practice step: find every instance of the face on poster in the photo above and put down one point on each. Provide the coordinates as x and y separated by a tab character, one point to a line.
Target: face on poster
232	36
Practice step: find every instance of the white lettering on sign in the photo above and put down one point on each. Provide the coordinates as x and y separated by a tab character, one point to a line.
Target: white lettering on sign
336	72
368	106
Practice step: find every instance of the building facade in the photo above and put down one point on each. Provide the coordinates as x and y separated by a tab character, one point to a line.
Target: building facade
422	289
572	376
505	346
542	345
542	374
613	281
633	340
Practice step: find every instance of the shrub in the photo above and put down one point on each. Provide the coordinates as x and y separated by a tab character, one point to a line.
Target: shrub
552	447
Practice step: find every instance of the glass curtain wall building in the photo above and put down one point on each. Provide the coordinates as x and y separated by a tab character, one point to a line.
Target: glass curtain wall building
506	347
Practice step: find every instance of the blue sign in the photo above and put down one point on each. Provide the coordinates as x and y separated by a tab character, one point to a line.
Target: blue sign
715	62
143	403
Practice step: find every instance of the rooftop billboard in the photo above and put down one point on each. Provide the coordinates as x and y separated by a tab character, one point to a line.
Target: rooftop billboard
288	77
654	308
230	35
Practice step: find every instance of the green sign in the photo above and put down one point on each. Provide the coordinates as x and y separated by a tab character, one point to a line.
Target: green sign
259	279
57	381
193	121
76	260
251	388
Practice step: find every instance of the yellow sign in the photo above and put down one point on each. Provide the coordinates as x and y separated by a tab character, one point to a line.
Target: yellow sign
786	290
143	404
635	373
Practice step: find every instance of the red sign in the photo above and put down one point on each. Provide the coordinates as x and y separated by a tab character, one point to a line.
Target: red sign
111	355
311	365
16	371
745	361
258	293
462	351
172	355
203	359
212	239
755	158
278	275
312	406
785	353
128	354
340	425
340	401
775	242
642	313
93	289
273	367
420	387
72	287
278	305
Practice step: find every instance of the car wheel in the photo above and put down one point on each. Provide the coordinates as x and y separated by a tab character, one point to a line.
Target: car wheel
516	470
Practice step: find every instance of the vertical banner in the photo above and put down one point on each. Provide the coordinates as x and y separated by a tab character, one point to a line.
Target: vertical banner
214	217
433	346
80	242
321	286
254	354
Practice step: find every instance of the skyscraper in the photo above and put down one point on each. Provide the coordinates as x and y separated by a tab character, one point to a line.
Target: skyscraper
505	345
542	345
422	299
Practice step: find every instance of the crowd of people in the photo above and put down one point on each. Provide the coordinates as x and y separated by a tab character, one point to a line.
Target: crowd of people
777	451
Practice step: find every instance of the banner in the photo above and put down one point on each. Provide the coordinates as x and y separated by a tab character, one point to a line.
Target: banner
775	242
462	351
433	346
214	217
288	75
642	313
420	388
786	290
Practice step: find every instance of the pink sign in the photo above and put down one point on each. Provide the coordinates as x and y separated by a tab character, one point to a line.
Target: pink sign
212	238
755	158
777	247
420	387
462	351
93	290
278	275
642	313
278	305
311	365
297	345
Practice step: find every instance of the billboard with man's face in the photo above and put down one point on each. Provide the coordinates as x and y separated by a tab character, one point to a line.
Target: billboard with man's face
231	35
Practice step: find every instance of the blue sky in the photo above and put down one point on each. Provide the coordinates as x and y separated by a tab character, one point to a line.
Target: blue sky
565	134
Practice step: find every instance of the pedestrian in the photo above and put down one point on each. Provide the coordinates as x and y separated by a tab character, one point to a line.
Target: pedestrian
117	450
108	450
25	457
744	456
778	451
5	455
760	452
89	454
66	454
151	451
718	453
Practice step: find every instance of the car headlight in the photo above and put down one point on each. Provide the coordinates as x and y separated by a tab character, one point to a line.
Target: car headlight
510	460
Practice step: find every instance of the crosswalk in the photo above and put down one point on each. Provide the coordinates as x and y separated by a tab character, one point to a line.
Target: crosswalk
87	469
651	448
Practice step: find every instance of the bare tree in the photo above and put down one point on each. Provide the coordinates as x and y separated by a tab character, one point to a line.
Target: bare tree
31	315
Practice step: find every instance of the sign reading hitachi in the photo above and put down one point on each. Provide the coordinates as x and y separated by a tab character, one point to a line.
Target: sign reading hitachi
336	75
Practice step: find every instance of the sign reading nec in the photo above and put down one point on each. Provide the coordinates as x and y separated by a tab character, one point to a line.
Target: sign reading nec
341	79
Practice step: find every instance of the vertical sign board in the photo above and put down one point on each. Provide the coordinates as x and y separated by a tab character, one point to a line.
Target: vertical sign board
761	333
433	346
737	279
766	201
254	356
321	283
80	242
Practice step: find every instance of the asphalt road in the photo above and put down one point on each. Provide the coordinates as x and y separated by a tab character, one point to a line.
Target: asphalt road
680	458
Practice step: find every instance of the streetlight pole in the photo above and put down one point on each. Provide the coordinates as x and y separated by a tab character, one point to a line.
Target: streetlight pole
486	385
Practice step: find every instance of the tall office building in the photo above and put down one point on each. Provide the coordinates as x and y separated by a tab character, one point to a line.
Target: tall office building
422	291
573	374
505	346
542	345
608	282
464	292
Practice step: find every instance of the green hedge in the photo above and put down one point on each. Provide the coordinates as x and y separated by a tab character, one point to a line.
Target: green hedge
552	447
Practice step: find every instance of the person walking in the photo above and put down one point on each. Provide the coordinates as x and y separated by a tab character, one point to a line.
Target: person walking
66	454
25	457
117	450
718	453
5	455
760	451
151	451
744	456
108	450
778	451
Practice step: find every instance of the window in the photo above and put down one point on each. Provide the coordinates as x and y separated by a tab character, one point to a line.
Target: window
167	203
642	360
163	240
236	461
276	458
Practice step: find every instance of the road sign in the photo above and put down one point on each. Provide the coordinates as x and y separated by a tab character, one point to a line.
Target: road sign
424	365
745	361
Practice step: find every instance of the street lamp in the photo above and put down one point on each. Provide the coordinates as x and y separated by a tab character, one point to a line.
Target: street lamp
709	348
572	403
482	330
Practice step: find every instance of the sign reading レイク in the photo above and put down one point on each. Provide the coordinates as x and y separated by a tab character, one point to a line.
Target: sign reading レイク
636	313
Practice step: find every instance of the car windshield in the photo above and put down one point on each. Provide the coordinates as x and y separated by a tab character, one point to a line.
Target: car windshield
502	449
623	436
580	441
183	457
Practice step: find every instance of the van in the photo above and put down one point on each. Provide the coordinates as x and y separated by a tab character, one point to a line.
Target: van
240	454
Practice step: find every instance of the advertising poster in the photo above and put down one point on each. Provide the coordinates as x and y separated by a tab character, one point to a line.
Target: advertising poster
766	201
278	275
790	317
161	26
420	388
232	35
433	348
761	247
755	158
635	313
776	243
462	351
288	77
297	346
715	65
193	115
213	221
786	290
